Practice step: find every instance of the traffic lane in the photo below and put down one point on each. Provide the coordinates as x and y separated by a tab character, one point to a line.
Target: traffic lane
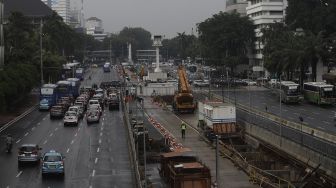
112	166
313	115
18	129
11	175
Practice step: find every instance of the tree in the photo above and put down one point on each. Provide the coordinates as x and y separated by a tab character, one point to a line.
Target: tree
226	38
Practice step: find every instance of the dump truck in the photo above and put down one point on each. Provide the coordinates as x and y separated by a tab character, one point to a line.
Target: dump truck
183	99
181	168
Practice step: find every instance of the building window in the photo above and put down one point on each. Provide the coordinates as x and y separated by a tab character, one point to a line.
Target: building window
276	13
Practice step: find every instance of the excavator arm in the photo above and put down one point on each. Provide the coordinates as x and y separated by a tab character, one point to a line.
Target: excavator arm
184	86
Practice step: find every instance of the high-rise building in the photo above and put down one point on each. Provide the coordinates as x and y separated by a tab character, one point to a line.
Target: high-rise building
238	6
94	27
62	7
262	13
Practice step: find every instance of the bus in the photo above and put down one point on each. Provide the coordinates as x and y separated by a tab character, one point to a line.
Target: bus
64	89
319	93
48	96
75	85
290	92
80	73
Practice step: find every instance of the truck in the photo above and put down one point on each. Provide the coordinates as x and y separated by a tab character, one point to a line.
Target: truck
48	96
217	118
106	67
183	99
113	101
181	168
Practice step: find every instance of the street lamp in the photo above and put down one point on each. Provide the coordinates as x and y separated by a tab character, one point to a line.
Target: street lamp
41	53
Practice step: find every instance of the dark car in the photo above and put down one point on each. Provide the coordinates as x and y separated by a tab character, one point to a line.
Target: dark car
29	153
57	111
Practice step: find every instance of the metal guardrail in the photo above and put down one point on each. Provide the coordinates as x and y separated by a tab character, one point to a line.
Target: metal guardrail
24	114
133	153
314	139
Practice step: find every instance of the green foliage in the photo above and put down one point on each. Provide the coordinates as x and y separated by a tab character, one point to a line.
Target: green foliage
181	46
226	38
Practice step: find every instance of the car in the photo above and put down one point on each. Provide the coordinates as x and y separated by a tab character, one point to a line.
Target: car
92	115
250	82
74	109
70	118
29	153
96	107
81	107
57	111
53	163
93	101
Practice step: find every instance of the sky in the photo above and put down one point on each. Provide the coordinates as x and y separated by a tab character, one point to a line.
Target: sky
160	17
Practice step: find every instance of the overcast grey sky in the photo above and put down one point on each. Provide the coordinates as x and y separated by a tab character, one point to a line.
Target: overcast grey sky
164	17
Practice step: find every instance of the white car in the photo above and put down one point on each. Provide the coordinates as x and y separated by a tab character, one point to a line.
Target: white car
74	109
95	107
92	115
250	82
70	118
91	102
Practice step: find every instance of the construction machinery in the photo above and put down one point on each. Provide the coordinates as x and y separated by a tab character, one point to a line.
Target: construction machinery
183	98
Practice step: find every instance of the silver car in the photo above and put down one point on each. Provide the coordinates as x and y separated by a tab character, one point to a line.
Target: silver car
92	115
29	153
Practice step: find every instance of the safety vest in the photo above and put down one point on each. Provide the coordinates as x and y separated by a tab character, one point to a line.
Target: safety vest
183	126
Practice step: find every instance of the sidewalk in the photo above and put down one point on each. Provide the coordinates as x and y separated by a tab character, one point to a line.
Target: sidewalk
230	176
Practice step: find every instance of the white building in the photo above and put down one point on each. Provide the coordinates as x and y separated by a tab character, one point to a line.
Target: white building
62	7
94	27
238	6
264	12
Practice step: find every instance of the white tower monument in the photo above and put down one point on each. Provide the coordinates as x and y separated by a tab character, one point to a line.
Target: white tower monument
157	43
130	54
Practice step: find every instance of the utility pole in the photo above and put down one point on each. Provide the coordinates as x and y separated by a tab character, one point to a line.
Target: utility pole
144	141
2	45
280	111
41	53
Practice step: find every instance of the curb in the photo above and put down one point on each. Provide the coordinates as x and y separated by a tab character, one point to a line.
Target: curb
24	114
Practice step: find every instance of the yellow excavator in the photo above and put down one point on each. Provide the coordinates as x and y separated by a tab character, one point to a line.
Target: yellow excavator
183	98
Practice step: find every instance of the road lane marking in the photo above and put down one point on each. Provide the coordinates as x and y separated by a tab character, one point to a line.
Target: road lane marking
51	134
45	141
90	186
96	160
19	174
68	150
326	122
79	129
26	134
56	128
93	173
98	149
99	141
75	134
321	128
18	141
103	122
44	119
103	119
72	141
101	134
33	128
101	128
39	123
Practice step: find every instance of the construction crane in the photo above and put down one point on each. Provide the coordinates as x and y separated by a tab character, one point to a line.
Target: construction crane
183	99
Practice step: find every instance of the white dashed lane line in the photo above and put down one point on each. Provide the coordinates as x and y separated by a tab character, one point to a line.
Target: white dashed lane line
56	128
75	134
99	141
18	141
93	173
45	141
19	174
101	134
98	149
26	134
39	123
44	119
72	141
51	134
68	150
33	129
96	160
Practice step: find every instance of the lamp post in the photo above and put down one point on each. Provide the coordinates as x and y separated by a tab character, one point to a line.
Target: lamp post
280	104
2	45
222	84
41	53
217	162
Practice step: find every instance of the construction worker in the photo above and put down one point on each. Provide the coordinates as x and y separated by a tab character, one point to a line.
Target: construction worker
183	129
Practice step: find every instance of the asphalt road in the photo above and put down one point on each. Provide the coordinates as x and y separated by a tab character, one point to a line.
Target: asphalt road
319	117
96	155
